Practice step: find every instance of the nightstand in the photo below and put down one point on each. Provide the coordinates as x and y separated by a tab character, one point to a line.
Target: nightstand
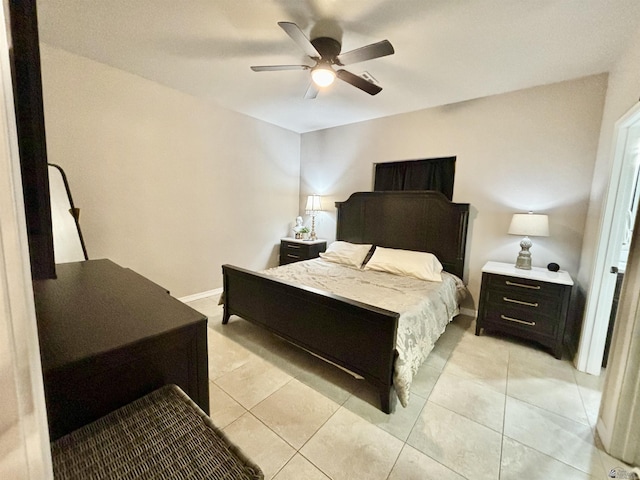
530	304
294	250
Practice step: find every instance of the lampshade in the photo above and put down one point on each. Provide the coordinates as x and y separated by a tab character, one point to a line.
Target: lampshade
323	75
313	204
529	224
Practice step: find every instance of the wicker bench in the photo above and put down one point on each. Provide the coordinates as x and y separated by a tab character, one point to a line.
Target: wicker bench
163	435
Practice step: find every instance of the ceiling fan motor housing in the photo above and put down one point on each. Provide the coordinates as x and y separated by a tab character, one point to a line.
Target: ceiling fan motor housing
325	51
328	48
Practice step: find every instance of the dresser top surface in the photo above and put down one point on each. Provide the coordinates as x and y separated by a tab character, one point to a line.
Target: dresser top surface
536	273
95	306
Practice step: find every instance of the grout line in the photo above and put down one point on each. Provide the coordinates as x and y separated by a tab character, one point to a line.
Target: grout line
504	411
342	404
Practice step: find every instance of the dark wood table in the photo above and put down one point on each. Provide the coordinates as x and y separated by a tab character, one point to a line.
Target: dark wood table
109	336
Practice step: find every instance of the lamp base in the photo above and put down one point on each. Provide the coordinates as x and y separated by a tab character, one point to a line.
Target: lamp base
312	235
523	261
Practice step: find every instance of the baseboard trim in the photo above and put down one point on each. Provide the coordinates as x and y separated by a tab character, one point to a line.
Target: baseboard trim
198	296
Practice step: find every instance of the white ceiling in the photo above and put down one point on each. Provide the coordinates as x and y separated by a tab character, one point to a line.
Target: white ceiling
447	51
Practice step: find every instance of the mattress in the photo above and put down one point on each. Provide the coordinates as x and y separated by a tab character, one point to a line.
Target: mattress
425	308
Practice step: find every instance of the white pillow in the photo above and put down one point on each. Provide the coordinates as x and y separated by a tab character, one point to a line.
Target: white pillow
422	265
352	254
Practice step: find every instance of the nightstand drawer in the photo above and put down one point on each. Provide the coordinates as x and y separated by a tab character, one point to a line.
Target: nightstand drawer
525	286
520	319
295	251
525	302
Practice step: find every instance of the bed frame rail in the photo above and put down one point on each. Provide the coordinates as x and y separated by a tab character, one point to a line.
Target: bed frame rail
353	335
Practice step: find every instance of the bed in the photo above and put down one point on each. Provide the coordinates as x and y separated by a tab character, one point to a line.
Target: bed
357	336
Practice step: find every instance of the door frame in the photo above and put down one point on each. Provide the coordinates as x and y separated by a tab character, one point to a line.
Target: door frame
600	294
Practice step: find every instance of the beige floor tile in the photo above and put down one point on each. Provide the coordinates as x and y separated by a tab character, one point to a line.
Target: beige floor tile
208	305
548	423
223	408
471	399
252	382
570	442
366	404
328	379
288	357
540	363
299	468
590	388
225	355
485	346
347	447
415	465
260	444
295	412
438	357
457	329
250	336
594	382
488	371
520	461
608	461
560	396
424	380
466	447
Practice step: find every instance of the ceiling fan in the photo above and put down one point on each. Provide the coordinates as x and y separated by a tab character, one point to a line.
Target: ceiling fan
325	52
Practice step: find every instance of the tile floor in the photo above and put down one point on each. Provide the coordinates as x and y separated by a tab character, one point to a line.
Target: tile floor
480	408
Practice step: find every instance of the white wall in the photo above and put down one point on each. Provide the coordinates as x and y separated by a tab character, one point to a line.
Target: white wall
532	149
623	93
618	412
168	185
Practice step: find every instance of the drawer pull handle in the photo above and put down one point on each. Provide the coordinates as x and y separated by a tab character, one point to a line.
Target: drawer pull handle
293	246
520	302
532	287
504	317
292	256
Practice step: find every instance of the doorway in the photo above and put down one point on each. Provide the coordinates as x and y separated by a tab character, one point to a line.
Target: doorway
617	223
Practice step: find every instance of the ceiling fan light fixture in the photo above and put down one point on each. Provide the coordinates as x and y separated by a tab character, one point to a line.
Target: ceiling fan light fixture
323	75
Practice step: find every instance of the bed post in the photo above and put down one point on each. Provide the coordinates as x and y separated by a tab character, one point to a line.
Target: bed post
225	303
387	393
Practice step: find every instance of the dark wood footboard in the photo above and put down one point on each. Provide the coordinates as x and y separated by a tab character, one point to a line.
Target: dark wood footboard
354	335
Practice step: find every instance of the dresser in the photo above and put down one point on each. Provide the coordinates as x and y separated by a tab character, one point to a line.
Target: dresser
294	250
109	336
531	304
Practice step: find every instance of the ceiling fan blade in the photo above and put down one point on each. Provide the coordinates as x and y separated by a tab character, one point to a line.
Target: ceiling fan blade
273	68
358	82
297	36
312	91
368	52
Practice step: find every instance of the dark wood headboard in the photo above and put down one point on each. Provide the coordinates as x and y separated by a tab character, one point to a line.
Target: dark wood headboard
424	221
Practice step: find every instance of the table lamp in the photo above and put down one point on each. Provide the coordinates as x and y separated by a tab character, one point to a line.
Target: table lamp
313	207
528	224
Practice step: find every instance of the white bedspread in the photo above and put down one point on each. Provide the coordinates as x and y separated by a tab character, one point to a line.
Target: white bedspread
425	308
